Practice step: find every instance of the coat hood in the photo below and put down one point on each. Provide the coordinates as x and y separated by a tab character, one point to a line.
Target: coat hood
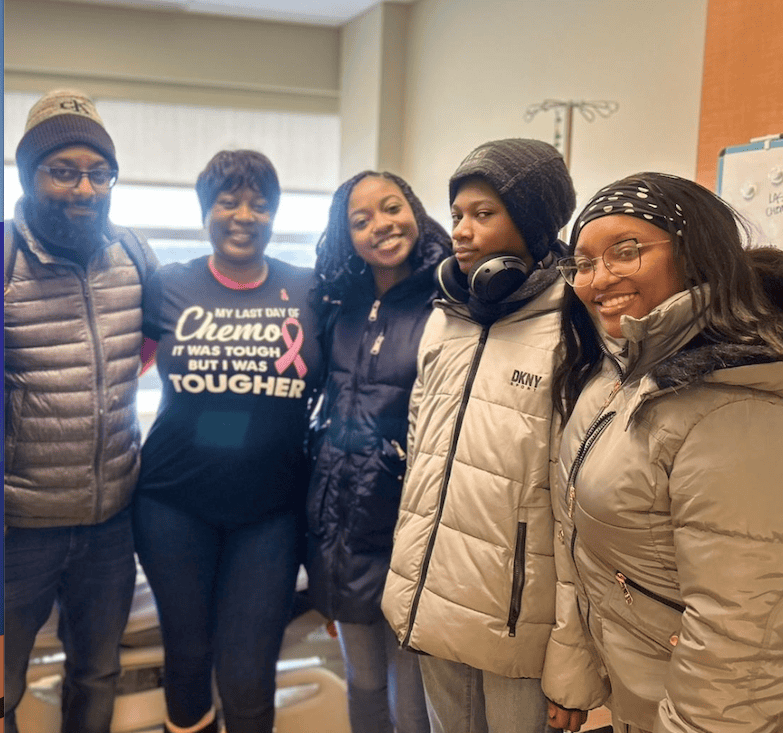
723	363
669	348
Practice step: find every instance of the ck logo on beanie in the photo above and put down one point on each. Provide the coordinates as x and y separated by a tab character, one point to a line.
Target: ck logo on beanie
76	106
61	118
62	102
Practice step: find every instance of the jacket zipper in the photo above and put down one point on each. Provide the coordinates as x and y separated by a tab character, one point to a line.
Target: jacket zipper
376	347
519	579
594	432
372	317
624	582
400	451
100	379
599	424
444	483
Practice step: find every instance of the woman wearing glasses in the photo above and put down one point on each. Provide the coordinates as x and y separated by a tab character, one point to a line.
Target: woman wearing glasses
668	494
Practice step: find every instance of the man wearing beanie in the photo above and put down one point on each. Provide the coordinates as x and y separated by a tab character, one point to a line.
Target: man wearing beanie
73	288
472	579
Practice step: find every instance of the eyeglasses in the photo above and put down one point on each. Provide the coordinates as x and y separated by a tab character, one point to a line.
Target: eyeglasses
621	259
100	178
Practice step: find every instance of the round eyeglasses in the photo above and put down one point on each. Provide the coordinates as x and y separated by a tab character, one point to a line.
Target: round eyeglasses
100	178
621	259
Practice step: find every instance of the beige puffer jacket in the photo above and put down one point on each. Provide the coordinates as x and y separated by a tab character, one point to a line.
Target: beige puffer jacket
72	358
670	493
472	574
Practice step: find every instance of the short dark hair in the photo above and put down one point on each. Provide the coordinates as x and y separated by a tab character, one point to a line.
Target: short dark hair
712	247
230	170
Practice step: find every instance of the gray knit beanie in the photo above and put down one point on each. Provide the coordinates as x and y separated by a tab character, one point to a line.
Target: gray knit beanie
61	118
532	180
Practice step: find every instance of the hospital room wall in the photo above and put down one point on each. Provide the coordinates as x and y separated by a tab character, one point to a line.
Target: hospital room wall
172	57
690	77
416	86
473	69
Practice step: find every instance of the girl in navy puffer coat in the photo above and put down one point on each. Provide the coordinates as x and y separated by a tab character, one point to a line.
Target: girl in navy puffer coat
375	264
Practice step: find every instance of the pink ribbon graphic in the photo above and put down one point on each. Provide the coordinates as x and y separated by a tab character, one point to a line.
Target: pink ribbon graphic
294	347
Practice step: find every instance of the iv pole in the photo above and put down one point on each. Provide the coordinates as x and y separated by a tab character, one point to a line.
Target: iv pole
588	110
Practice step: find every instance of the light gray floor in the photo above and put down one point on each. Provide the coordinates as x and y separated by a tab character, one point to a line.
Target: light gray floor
306	638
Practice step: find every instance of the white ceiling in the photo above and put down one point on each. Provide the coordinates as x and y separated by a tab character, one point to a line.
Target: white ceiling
318	12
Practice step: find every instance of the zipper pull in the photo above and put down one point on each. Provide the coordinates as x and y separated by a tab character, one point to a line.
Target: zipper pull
376	347
571	500
374	311
398	448
615	390
626	593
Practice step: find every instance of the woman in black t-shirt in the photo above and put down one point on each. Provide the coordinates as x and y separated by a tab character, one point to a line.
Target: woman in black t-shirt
217	510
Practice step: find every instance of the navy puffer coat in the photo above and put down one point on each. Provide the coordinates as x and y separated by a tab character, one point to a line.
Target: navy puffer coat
358	442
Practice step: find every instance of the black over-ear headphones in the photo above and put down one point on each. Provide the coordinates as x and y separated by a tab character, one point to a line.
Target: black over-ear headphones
491	279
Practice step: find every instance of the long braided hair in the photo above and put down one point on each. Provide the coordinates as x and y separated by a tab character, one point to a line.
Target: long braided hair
338	268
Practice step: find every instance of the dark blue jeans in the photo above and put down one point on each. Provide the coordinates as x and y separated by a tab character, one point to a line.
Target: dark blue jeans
90	571
224	597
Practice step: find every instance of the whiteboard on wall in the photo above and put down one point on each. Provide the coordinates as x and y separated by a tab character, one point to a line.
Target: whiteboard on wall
750	178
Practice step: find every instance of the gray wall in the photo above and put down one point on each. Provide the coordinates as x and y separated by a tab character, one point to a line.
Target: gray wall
417	86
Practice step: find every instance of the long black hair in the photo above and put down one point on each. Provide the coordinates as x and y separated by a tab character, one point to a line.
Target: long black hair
712	249
336	265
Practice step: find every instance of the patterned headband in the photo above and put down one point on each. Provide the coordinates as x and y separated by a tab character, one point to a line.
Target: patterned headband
633	199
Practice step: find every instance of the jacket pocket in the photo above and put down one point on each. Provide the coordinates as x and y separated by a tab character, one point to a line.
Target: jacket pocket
645	612
375	501
518	579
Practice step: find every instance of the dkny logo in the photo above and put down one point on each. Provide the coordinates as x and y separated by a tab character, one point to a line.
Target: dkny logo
527	380
74	105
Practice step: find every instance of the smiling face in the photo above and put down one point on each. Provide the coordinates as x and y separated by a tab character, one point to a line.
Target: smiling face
383	228
611	296
482	226
73	217
240	227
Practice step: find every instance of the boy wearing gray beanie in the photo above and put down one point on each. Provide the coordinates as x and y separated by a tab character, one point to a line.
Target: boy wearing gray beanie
472	578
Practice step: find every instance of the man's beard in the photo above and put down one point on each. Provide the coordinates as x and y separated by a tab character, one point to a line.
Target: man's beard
83	234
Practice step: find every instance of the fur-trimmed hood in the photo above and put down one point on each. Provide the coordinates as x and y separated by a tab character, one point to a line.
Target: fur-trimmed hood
736	365
699	361
668	347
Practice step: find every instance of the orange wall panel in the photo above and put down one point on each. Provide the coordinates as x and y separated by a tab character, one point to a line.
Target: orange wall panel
742	89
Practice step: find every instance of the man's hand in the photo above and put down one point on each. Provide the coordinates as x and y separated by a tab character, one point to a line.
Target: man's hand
563	719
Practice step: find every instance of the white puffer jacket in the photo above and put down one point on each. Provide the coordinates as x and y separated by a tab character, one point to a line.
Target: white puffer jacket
472	574
671	498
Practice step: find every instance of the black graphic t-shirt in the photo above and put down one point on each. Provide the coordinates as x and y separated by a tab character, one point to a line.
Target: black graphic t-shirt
238	368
